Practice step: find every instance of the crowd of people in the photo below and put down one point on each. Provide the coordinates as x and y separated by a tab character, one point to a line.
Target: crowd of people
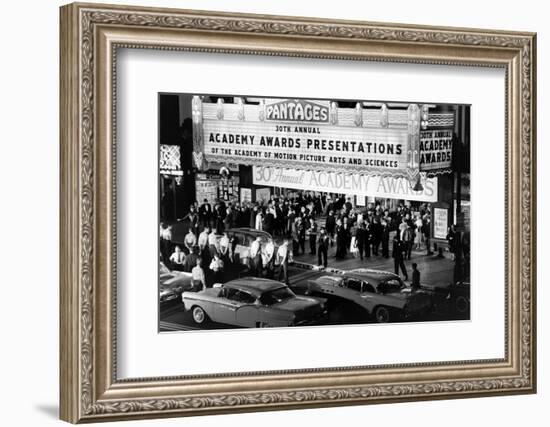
303	222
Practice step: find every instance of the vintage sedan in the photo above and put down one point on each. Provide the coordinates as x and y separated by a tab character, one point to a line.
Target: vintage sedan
253	303
459	296
451	297
382	295
172	284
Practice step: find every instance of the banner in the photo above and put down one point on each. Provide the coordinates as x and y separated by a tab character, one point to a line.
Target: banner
246	195
263	195
169	160
345	183
206	190
441	223
436	149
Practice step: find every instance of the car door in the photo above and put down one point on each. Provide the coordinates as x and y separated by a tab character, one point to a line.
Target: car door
368	296
247	314
225	310
353	289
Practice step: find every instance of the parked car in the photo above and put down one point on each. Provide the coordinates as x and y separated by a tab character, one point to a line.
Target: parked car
459	297
252	302
383	295
452	297
242	238
172	283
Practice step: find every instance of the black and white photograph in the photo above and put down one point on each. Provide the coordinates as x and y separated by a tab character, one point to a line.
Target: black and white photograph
278	212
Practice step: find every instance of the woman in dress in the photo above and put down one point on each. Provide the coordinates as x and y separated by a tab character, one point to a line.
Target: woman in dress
418	223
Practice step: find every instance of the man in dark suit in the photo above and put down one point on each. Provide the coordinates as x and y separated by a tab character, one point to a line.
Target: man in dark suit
269	221
205	214
323	242
426	231
361	238
385	239
376	235
343	237
341	240
218	218
330	226
408	239
190	261
348	204
397	253
347	230
368	238
415	277
301	231
312	234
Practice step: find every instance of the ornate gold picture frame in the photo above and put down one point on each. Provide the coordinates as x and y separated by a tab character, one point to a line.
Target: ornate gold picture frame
90	37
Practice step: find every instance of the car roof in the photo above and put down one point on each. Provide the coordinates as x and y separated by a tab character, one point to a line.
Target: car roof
250	231
374	277
254	285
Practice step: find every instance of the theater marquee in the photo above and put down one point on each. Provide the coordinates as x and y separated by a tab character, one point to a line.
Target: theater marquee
310	135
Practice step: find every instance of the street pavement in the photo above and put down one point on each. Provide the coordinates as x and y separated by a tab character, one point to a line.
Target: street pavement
433	269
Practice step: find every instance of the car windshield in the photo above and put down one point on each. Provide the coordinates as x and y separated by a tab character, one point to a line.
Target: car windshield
276	296
390	286
354	285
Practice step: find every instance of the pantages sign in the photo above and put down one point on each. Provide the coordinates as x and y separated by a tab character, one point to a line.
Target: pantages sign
309	135
298	110
345	183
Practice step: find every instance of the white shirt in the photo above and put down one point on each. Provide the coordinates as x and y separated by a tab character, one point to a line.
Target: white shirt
166	233
224	241
190	239
282	253
216	265
198	274
177	257
224	244
203	239
267	253
259	224
212	239
254	248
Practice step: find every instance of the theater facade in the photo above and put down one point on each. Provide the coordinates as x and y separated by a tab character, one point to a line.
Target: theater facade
249	149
